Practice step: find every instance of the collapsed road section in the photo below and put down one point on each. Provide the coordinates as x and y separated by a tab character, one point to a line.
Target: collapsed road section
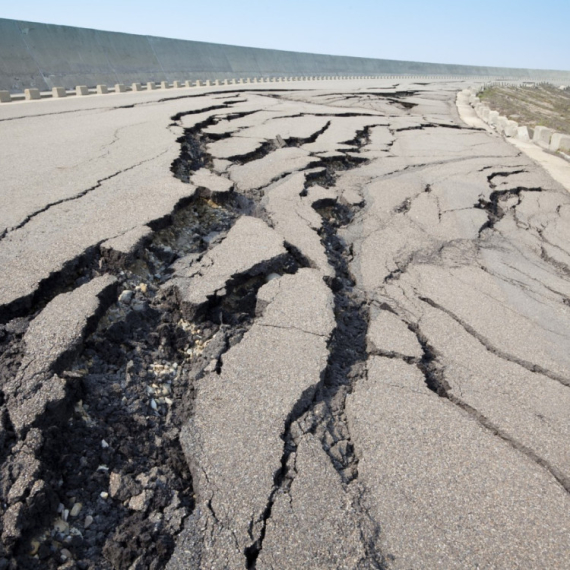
285	329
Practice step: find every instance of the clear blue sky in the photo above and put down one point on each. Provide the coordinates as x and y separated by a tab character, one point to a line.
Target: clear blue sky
510	33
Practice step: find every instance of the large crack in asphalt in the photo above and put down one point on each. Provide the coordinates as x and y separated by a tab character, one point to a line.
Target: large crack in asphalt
116	487
321	411
530	366
497	206
433	370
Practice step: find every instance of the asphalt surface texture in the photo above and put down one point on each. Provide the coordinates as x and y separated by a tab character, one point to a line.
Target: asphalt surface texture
314	325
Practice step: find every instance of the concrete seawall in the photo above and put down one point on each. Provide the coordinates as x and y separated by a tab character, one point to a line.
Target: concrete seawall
44	56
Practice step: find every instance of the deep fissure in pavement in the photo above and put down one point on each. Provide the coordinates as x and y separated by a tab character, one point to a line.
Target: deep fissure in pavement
114	454
321	409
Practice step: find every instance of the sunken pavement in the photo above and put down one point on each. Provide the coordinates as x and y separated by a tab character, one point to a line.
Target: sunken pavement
323	327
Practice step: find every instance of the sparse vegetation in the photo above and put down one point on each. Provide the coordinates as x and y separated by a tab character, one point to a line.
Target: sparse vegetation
546	105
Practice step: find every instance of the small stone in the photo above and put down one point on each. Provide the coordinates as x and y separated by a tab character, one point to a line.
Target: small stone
140	502
115	483
143	288
153	404
88	521
104	495
65	514
126	296
60	525
168	401
35	546
65	554
76	509
104	444
122	487
272	276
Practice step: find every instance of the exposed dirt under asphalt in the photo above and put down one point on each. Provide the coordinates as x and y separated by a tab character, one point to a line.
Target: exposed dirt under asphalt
282	328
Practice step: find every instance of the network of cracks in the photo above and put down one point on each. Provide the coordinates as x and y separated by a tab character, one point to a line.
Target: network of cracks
98	477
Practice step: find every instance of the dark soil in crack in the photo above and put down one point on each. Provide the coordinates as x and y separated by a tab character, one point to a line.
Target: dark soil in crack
114	466
118	486
347	360
119	454
324	173
498	205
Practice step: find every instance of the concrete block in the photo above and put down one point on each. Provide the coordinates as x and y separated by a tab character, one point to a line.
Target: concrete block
198	83
136	87
176	84
164	85
542	136
560	142
81	90
512	129
207	83
255	80
120	88
150	86
522	134
188	84
216	81
32	94
493	117
102	90
502	123
58	92
5	97
484	112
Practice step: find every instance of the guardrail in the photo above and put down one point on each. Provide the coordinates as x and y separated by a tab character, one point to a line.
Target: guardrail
33	94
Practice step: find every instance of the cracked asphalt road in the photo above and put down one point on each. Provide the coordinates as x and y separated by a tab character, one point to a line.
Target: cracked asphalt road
314	327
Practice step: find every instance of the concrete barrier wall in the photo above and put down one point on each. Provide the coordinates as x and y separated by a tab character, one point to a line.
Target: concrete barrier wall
541	136
44	56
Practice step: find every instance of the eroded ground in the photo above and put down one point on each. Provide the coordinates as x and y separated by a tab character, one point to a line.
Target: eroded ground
321	328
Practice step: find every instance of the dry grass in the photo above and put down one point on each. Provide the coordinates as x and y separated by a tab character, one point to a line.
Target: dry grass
545	105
